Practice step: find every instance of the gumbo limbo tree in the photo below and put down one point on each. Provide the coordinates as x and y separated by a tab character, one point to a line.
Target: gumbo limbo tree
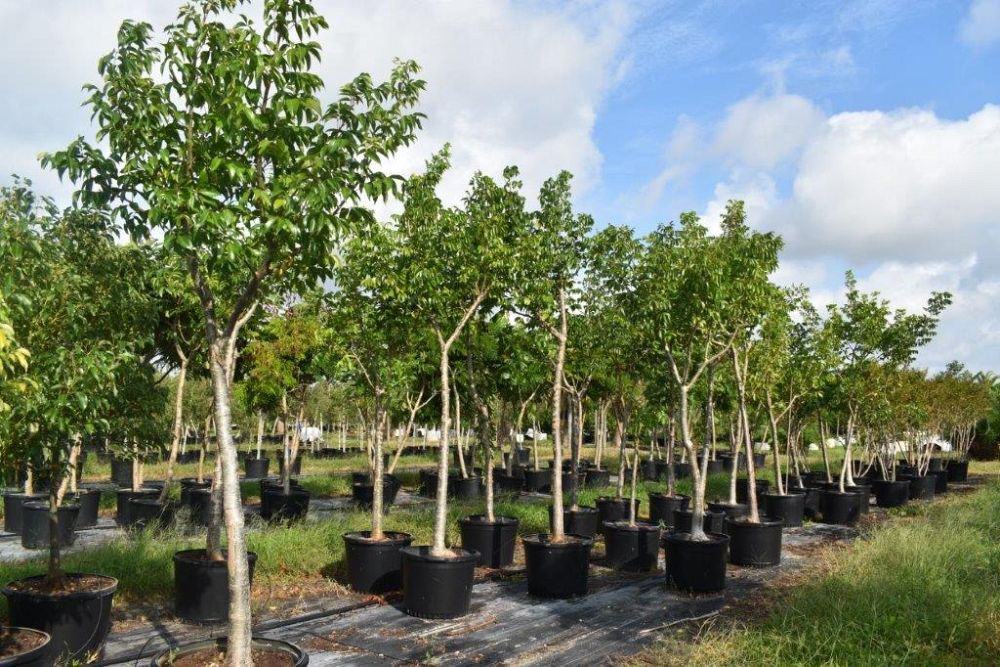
217	140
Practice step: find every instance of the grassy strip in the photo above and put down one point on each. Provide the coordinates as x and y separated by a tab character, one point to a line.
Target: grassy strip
925	590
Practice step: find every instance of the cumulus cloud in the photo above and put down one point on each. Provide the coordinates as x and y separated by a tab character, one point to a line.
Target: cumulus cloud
761	131
508	82
981	26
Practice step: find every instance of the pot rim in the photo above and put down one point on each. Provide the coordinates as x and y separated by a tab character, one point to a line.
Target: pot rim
714	539
110	589
542	540
298	654
182	556
480	520
423	553
581	509
677	496
38	505
639	527
31	631
764	522
392	538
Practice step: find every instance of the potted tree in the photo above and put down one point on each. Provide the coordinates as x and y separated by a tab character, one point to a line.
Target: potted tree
81	317
550	256
452	262
252	193
375	336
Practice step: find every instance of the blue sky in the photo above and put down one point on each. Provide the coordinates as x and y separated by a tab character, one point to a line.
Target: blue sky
867	133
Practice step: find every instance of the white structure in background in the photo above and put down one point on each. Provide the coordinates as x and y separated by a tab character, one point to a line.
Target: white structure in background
901	446
434	435
530	433
310	434
835	442
762	446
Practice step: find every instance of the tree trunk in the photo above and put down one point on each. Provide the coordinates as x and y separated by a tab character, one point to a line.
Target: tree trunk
558	532
238	652
377	470
178	427
260	432
441	506
55	561
620	446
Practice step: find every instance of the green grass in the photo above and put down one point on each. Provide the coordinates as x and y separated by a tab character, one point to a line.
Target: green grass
925	590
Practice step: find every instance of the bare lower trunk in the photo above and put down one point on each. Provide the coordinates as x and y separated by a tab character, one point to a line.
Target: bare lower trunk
178	427
441	506
671	442
558	533
635	478
697	479
377	471
238	652
260	433
55	561
620	446
213	540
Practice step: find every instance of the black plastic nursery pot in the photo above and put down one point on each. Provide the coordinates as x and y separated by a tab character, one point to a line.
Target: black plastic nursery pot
13	504
716	466
864	491
296	466
25	647
712	522
256	468
201	586
523	456
631	548
123	515
940	481
682	470
759	460
647	470
615	509
364	494
754	544
922	487
437	586
891	494
958	470
189	484
743	488
811	493
493	540
537	481
35	530
210	649
273	483
935	464
730	510
661	469
582	521
289	507
508	483
842	509
199	501
557	569
375	566
465	488
121	472
150	513
696	566
78	621
789	508
89	501
362	477
597	479
727	461
662	506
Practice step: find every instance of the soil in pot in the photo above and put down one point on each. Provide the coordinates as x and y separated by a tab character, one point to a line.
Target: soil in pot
35	530
212	653
713	522
24	647
743	488
754	544
284	507
662	506
891	494
631	548
89	501
958	470
730	510
375	566
557	570
201	586
842	509
494	541
597	479
615	509
256	468
77	614
13	504
437	586
696	566
582	521
790	508
123	515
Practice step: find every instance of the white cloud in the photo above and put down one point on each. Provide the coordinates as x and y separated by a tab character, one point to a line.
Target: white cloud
761	131
981	26
508	82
